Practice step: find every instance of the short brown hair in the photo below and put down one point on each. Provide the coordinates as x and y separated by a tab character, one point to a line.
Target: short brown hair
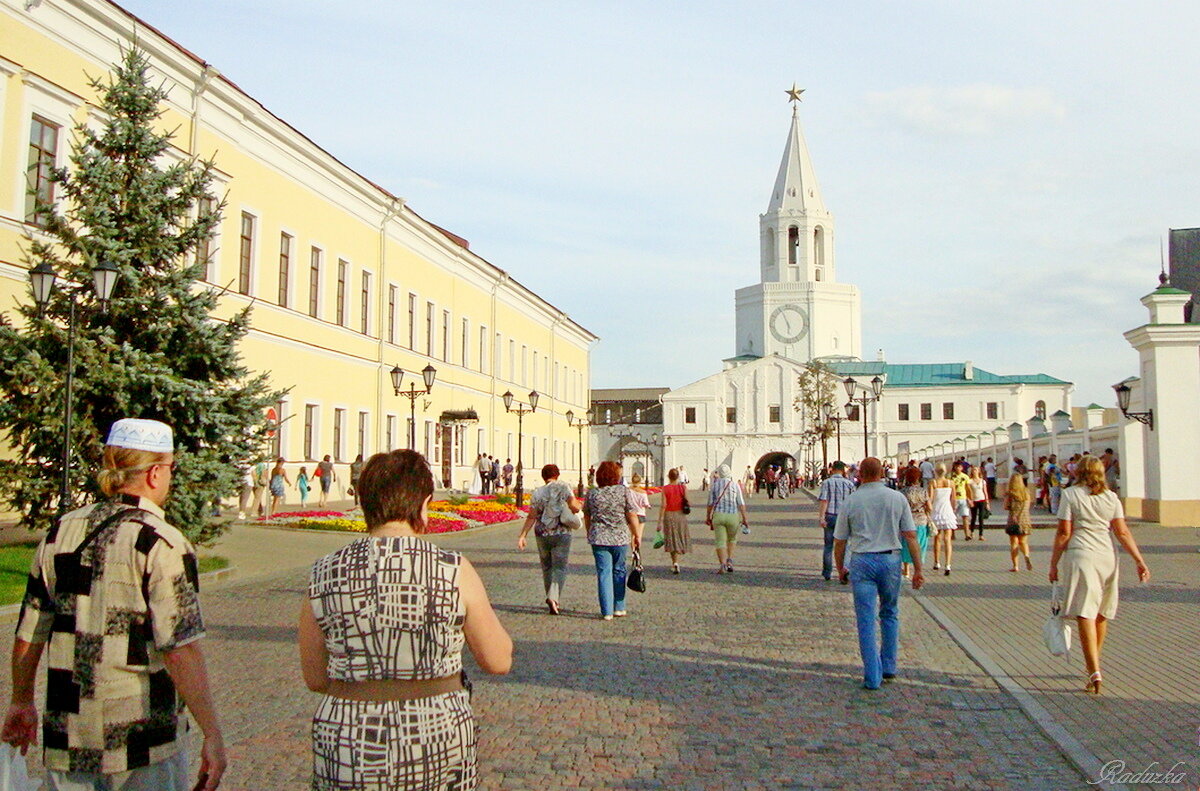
121	466
608	473
912	476
392	488
549	472
673	474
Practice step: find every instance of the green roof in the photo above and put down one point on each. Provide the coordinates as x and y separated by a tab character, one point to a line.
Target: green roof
935	374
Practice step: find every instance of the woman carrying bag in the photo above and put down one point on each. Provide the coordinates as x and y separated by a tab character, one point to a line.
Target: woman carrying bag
552	515
1089	515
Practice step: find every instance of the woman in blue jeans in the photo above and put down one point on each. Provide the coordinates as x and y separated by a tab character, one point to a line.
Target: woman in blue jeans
611	524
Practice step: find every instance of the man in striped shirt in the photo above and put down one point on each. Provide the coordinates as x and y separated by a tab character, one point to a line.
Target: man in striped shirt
834	491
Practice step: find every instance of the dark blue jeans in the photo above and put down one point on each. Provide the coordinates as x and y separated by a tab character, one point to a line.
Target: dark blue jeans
610	577
827	554
875	580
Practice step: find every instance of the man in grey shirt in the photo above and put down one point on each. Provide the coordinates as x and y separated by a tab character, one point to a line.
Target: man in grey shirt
873	521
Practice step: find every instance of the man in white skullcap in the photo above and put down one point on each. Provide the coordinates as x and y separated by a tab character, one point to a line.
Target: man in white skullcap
113	593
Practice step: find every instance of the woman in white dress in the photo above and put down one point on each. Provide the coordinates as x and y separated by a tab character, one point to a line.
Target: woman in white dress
945	519
476	479
1088	516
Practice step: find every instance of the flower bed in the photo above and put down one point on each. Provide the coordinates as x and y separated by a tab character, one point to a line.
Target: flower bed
444	517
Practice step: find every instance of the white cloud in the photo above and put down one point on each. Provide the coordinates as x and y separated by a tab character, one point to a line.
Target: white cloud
964	110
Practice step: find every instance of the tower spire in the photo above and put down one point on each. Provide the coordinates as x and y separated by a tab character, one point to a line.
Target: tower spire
796	186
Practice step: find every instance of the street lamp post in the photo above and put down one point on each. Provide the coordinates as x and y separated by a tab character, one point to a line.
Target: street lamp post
41	280
868	396
661	443
429	374
827	409
579	425
521	411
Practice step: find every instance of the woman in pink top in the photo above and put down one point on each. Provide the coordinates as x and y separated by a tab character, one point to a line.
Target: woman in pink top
672	521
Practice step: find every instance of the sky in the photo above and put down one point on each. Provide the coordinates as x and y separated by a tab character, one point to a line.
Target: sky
1001	174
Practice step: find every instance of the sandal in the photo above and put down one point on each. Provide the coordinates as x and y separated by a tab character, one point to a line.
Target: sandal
1093	685
553	605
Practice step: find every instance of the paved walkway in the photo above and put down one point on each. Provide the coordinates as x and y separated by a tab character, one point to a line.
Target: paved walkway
1150	710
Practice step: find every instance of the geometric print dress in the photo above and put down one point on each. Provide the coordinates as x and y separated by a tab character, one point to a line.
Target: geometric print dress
390	608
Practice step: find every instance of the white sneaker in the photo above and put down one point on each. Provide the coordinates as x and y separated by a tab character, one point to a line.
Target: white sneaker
620	613
606	617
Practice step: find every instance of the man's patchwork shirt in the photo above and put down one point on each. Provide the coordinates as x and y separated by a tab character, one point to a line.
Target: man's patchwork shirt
109	611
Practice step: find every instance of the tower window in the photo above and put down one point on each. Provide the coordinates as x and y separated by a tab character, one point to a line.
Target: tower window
773	414
730	414
948	410
902	411
689	414
1039	410
793	245
818	248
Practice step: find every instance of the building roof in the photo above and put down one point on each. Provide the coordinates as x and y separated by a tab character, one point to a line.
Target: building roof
628	393
796	184
935	374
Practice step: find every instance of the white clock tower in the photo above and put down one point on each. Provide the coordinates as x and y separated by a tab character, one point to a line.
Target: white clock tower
798	310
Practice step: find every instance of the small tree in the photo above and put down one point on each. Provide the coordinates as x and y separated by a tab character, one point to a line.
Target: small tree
818	386
157	352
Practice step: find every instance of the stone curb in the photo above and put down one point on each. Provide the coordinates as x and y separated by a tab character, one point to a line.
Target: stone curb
9	612
1072	749
1083	759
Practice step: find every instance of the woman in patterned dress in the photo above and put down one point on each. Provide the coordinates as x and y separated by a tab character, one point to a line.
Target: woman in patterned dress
672	521
1016	502
381	635
611	526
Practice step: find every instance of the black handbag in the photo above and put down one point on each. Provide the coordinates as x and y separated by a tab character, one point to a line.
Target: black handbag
636	578
685	507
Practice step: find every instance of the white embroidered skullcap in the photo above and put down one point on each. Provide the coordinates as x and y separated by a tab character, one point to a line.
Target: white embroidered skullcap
138	434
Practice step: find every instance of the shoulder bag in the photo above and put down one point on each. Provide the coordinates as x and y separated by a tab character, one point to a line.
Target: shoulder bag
684	506
1056	631
636	578
568	518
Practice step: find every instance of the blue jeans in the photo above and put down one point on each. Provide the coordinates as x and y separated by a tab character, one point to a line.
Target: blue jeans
610	577
875	580
827	554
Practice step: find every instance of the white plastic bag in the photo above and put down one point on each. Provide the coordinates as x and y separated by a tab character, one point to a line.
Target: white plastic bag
14	775
1056	631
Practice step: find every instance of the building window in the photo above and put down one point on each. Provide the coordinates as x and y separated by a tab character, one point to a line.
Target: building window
512	360
524	366
412	323
948	411
793	245
339	428
205	247
466	341
246	253
689	414
391	317
363	419
730	414
926	411
1039	410
285	267
429	329
992	410
854	415
773	414
391	432
314	282
445	336
43	151
483	344
310	432
343	265
365	314
902	411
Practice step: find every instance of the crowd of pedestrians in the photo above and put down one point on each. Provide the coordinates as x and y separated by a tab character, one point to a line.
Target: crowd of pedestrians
395	709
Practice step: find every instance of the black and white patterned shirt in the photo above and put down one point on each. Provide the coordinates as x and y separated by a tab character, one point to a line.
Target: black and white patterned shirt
390	608
606	508
109	612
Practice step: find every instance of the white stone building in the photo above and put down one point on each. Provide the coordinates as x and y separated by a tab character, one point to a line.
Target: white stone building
799	311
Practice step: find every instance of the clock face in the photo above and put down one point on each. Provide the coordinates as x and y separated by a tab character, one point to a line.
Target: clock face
789	323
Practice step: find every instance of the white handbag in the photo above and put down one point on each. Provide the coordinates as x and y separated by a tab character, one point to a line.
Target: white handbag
14	775
1056	631
568	518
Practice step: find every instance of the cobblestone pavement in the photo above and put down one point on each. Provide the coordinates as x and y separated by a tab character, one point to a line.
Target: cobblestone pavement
748	681
1149	714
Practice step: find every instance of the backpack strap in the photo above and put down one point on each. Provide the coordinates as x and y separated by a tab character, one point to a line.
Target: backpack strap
107	523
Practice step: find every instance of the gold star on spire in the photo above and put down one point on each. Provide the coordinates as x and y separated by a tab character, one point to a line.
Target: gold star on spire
794	93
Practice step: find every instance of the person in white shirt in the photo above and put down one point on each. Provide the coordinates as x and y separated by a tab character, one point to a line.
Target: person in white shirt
989	474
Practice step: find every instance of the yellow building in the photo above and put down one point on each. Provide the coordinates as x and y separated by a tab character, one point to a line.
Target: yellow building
347	281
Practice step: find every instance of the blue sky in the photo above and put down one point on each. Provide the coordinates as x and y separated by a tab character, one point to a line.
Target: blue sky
1000	173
